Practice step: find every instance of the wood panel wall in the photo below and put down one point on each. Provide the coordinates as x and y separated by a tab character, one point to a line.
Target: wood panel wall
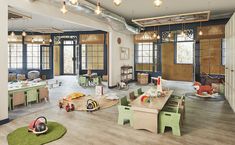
56	60
211	56
172	71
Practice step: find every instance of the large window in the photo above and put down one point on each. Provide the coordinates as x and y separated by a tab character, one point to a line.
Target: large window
92	56
184	48
45	57
146	57
15	56
33	56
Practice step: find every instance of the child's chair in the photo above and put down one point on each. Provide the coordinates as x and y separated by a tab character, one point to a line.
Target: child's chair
125	112
83	81
18	99
43	94
32	95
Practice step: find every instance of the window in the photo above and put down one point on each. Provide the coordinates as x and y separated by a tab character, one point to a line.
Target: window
223	52
92	56
45	57
184	47
33	56
15	56
146	57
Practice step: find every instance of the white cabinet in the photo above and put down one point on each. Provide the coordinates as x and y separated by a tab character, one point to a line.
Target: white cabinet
230	62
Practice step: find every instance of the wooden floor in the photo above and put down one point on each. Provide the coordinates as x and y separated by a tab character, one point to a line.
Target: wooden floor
207	123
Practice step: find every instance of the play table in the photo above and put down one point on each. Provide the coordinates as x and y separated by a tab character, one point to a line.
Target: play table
145	115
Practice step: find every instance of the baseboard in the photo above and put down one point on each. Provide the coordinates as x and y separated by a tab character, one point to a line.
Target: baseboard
4	121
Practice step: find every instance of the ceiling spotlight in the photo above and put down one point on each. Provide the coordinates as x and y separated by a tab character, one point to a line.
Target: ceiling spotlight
74	2
24	33
98	9
157	3
12	34
117	2
158	36
63	9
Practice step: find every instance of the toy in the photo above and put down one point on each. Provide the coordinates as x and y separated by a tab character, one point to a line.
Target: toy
122	85
38	126
159	84
72	107
67	108
60	105
201	89
92	105
145	99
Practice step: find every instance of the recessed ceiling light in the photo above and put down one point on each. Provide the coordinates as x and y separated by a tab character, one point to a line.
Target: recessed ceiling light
117	2
157	3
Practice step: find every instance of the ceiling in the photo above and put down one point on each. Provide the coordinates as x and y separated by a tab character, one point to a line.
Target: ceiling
39	21
136	9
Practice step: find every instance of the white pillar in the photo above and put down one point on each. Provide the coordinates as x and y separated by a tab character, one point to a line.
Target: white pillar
3	61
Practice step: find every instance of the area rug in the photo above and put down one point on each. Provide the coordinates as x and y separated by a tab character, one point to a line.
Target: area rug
213	98
21	136
81	102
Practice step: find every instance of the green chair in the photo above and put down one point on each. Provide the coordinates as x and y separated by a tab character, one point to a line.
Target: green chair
83	81
32	95
132	95
96	81
124	112
9	102
170	117
174	100
139	92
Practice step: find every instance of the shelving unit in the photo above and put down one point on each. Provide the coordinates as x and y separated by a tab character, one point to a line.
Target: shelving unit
126	74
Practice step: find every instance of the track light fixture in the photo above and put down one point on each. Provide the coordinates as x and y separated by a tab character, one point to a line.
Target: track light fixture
117	2
157	3
63	9
98	8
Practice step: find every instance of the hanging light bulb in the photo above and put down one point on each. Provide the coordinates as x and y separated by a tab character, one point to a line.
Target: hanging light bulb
50	40
12	34
24	33
43	41
32	40
117	2
98	8
63	9
158	36
200	33
157	3
74	2
169	34
154	35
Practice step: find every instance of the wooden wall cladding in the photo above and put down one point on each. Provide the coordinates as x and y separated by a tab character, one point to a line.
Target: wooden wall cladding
172	71
38	39
56	60
15	39
91	38
147	36
210	56
211	32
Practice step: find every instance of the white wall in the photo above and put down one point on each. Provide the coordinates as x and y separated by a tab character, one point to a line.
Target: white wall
115	62
3	60
230	62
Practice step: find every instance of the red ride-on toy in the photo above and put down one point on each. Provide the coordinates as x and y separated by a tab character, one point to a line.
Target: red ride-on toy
38	126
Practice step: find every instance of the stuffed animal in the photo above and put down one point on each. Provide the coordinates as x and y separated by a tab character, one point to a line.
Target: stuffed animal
200	89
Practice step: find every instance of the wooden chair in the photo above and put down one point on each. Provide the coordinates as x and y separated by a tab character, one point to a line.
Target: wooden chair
43	94
18	98
124	112
170	117
83	81
132	96
32	95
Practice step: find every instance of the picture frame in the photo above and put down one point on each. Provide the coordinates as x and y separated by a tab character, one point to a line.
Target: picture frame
124	53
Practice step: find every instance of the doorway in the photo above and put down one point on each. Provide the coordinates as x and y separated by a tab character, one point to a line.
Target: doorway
69	57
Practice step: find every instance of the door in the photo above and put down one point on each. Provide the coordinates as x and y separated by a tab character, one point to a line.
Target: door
68	57
46	59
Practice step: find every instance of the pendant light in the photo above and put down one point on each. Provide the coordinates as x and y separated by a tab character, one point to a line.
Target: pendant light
98	8
117	2
43	41
154	33
157	3
32	40
63	9
50	40
158	36
182	31
24	33
200	32
169	34
13	34
74	2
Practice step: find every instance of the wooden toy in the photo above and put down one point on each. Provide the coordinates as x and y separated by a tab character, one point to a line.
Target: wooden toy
201	89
